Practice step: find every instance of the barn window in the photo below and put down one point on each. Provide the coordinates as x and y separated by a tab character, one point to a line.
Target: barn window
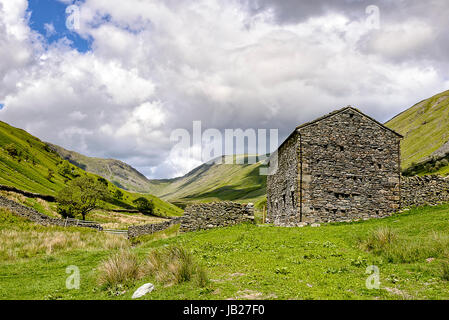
342	148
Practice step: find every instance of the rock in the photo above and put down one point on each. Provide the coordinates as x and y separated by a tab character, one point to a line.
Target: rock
429	260
315	225
143	290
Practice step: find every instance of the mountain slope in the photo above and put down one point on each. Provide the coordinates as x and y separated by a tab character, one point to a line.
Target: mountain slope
118	172
425	128
213	182
26	161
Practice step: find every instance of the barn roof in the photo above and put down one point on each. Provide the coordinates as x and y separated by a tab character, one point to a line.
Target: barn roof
333	113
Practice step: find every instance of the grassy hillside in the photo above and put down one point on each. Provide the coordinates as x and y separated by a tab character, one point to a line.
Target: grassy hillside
118	172
213	182
425	128
26	161
410	249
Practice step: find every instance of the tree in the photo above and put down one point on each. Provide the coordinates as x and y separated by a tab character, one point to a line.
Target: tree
144	205
118	194
64	169
12	150
80	197
50	174
103	181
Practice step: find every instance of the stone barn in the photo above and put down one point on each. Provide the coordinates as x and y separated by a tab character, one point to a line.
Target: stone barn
340	167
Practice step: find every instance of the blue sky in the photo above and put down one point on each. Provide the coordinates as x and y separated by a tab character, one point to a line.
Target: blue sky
54	12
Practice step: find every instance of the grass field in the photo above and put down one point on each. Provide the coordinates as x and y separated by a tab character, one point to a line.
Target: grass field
411	250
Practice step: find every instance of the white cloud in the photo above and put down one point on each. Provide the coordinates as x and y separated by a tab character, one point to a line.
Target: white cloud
50	29
157	66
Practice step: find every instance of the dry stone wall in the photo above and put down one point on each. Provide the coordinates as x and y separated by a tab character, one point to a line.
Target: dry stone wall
28	194
42	219
201	216
427	190
136	231
215	214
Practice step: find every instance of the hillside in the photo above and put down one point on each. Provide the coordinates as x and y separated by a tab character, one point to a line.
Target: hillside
29	164
213	182
118	172
425	127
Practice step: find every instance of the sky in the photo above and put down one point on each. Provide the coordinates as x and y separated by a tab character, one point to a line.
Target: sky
115	79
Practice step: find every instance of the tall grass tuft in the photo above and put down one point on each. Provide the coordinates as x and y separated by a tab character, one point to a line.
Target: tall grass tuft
174	265
122	268
380	239
445	271
405	249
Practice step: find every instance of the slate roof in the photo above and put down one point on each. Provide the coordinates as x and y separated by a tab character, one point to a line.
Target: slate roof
333	113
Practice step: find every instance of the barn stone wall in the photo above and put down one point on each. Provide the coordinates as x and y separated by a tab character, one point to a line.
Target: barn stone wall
350	169
344	167
427	190
282	186
215	214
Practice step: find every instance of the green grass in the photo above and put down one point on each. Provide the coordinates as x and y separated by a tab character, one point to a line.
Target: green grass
30	171
247	261
425	128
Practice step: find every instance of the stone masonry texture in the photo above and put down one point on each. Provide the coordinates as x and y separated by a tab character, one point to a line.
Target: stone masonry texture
342	167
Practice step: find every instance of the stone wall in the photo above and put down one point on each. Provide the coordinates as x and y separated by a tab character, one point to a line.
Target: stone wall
427	190
215	214
28	194
42	219
282	186
136	231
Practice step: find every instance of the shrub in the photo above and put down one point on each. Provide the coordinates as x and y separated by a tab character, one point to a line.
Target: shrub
118	195
12	150
174	265
144	205
64	168
122	268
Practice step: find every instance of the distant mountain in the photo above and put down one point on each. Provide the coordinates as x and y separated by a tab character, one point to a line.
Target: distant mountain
214	182
425	127
118	172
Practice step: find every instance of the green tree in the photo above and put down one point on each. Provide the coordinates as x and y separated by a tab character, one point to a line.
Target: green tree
12	150
103	181
118	194
50	174
80	196
64	169
144	205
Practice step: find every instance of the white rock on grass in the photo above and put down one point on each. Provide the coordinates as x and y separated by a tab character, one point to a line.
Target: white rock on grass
143	290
